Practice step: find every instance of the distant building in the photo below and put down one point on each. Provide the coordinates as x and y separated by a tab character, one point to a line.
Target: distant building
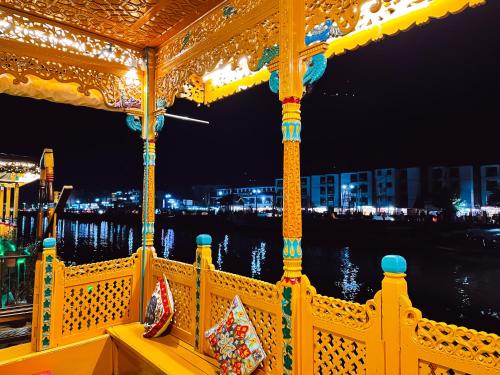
356	189
409	188
305	187
325	191
490	178
253	197
385	188
457	180
125	198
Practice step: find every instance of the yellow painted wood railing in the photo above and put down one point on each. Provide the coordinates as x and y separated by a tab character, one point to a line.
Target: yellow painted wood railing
386	335
75	303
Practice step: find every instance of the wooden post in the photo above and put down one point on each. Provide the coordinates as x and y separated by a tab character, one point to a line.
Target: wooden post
44	330
148	194
393	288
7	204
16	203
2	197
203	263
291	41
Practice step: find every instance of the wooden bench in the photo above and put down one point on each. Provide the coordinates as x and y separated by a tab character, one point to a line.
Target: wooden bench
134	354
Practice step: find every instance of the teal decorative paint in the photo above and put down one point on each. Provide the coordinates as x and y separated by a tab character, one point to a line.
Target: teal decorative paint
134	123
315	70
393	264
319	33
291	130
204	240
149	159
228	11
292	248
268	55
150	228
286	323
49	243
274	82
185	41
159	123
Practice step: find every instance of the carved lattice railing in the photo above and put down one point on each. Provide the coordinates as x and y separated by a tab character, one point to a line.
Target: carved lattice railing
80	302
182	280
332	336
339	336
435	348
263	305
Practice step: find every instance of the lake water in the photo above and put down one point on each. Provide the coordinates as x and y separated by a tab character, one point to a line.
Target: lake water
459	286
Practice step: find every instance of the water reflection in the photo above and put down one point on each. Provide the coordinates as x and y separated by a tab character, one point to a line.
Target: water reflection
223	247
462	285
349	286
130	241
167	242
459	289
258	257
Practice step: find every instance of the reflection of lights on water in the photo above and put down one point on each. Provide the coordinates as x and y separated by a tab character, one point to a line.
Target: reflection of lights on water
104	232
223	247
75	230
258	256
219	257
32	226
350	287
167	242
461	285
130	241
95	236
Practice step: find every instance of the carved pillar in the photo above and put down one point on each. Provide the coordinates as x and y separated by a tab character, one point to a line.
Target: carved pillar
148	204
7	204
292	195
291	41
2	197
16	203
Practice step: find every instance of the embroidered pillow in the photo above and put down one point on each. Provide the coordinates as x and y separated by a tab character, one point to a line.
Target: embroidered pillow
235	343
160	309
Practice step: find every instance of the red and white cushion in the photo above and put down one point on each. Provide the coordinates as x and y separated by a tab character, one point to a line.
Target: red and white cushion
160	309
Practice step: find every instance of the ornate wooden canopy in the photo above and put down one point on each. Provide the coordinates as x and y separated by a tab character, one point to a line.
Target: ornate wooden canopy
93	52
140	23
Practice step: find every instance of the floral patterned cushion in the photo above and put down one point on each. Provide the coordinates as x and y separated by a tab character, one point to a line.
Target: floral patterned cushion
160	309
235	343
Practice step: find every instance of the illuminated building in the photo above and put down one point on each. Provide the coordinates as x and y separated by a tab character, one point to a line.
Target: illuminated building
253	197
358	186
325	191
490	179
457	180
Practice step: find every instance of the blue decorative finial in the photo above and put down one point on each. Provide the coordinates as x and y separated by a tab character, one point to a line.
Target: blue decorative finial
204	240
393	264
49	243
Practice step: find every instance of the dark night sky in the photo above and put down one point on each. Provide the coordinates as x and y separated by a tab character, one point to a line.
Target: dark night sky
429	95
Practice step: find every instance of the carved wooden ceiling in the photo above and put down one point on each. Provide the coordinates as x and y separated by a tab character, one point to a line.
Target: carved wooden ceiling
138	22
